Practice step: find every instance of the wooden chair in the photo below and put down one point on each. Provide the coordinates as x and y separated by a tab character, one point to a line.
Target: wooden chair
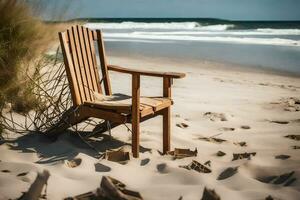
78	48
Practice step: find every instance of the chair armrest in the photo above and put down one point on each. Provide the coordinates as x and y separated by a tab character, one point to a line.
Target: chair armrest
145	73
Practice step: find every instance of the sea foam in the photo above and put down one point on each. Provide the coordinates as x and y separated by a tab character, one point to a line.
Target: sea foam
227	39
167	25
193	31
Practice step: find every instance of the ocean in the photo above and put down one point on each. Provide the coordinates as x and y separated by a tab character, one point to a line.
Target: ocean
273	45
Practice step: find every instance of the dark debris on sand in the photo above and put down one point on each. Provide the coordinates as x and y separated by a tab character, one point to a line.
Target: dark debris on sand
220	153
182	153
282	157
293	137
228	172
195	165
209	194
182	125
212	116
237	156
110	189
212	139
285	179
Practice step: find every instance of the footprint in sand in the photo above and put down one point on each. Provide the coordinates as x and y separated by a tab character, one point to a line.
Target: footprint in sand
212	116
282	157
73	163
227	129
162	168
182	125
246	127
5	171
145	161
291	104
285	179
230	171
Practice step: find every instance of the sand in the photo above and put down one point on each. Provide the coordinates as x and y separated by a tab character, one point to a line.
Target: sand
236	105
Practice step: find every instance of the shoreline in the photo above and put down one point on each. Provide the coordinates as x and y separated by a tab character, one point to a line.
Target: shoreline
204	64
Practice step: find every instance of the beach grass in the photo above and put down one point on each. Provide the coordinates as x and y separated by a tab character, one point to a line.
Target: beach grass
23	40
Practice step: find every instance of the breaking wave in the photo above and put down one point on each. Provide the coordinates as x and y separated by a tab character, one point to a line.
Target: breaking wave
167	25
153	32
167	37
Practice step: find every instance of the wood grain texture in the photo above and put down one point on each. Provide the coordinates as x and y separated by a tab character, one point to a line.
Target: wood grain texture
135	114
69	69
102	56
167	82
145	73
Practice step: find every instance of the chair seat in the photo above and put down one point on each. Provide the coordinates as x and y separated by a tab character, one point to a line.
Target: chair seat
122	103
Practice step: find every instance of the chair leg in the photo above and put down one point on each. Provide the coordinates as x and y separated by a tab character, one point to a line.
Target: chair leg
166	129
135	115
135	137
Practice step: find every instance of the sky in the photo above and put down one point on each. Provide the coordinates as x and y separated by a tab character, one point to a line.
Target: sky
224	9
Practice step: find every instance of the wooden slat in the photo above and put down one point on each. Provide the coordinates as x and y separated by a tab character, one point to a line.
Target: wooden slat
167	82
90	59
102	114
69	69
85	95
94	34
93	53
135	115
116	108
78	80
145	72
86	67
102	57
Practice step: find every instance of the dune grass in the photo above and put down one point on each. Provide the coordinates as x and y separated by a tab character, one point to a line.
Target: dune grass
23	40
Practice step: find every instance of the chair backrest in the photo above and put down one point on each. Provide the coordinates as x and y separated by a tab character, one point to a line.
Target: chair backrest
78	48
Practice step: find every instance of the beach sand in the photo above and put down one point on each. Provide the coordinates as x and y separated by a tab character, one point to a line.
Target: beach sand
252	111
